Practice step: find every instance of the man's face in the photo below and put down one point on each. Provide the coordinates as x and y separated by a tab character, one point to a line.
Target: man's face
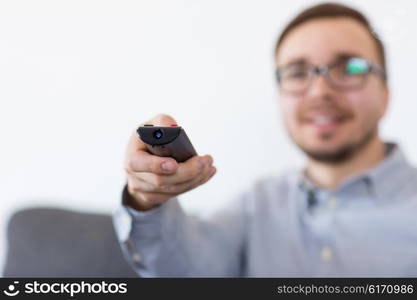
326	123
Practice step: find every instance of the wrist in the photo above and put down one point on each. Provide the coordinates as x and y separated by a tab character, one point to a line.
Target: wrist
134	201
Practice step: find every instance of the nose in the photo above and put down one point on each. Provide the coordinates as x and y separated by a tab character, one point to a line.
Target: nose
319	87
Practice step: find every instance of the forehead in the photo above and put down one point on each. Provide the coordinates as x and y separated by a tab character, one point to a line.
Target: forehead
321	40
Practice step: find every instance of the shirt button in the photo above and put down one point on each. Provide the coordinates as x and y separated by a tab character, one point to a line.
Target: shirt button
326	254
332	202
136	257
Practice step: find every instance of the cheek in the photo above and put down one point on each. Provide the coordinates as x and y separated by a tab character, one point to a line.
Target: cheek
289	108
367	106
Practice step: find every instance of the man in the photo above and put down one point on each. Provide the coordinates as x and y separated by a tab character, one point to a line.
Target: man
352	211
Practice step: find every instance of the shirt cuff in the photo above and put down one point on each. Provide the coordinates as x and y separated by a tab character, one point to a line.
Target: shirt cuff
146	223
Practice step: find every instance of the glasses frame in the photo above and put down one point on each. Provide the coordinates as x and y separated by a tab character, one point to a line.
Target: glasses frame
324	70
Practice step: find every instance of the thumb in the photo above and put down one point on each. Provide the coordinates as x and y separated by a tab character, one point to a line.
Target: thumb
162	120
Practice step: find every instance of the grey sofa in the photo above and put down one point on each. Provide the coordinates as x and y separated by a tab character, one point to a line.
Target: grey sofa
46	242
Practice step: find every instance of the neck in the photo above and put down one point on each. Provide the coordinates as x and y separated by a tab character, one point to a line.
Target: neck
330	175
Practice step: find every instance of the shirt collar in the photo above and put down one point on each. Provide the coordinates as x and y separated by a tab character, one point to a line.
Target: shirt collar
389	176
383	180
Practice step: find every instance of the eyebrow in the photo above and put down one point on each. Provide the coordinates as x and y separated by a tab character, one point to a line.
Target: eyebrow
301	61
346	55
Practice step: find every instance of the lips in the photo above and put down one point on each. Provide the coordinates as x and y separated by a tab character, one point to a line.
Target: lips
325	121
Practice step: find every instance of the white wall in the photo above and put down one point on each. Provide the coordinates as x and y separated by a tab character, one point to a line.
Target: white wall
76	77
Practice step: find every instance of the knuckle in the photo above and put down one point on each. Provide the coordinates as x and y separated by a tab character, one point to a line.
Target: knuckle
173	189
153	165
129	165
209	159
156	180
192	172
134	187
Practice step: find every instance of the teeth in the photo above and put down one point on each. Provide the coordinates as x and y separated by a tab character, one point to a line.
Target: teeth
322	120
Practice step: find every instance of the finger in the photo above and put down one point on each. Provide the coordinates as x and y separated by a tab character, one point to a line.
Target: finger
149	182
138	186
187	186
142	161
184	172
162	120
189	169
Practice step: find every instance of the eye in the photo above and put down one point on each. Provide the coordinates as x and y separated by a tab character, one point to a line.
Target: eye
299	74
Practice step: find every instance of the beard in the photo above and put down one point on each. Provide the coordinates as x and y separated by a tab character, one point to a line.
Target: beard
342	153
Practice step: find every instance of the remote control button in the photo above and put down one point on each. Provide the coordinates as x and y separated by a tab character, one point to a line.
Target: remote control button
173	125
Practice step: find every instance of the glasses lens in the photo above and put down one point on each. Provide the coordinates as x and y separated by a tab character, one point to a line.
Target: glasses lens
349	73
357	66
294	78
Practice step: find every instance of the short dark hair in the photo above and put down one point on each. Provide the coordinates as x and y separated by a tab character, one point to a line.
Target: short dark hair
333	10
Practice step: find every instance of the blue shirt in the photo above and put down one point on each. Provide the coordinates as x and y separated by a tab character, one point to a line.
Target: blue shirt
284	226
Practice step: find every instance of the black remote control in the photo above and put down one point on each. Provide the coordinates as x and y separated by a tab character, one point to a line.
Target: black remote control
171	141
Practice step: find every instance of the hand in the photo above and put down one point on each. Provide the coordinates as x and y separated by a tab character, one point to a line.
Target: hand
152	180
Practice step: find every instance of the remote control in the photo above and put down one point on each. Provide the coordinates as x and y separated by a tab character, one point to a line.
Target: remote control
171	141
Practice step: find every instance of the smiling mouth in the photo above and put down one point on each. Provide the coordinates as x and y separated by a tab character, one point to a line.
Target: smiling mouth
325	120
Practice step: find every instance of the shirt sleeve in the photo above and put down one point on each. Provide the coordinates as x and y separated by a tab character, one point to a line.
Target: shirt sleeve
167	242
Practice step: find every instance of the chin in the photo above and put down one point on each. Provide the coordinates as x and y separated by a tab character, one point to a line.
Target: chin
327	147
334	146
335	156
329	143
328	151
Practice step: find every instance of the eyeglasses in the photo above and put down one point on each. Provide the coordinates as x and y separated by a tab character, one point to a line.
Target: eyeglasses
344	74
